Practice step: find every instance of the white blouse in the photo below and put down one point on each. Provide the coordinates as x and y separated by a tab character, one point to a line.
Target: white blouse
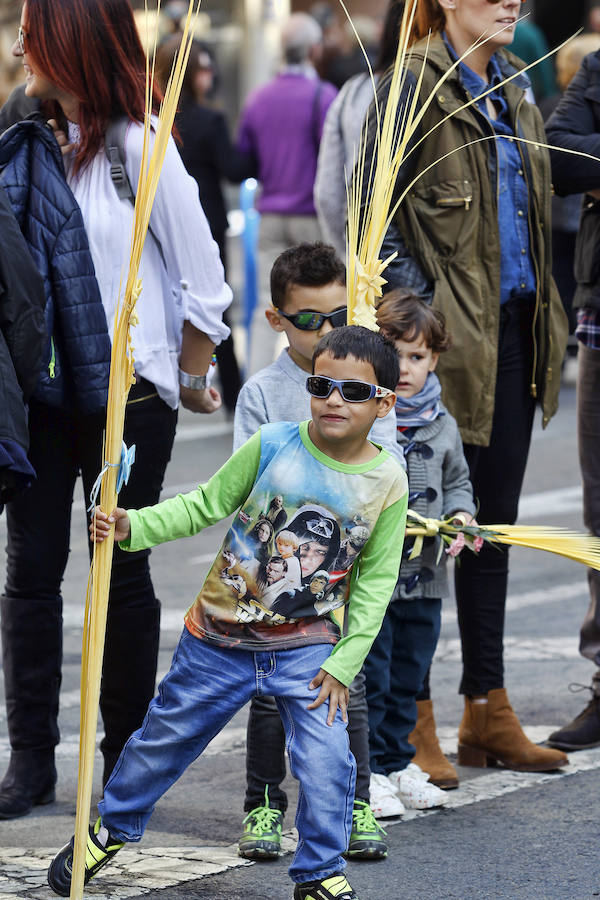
188	285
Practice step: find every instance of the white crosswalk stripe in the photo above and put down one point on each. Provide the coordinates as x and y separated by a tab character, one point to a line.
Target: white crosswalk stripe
133	872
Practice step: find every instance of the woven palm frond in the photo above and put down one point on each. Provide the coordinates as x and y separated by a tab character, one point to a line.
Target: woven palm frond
581	548
367	226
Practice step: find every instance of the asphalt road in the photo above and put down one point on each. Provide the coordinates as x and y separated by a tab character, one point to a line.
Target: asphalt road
506	835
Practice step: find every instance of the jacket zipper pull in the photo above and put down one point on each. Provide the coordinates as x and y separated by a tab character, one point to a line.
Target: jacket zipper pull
52	363
468	195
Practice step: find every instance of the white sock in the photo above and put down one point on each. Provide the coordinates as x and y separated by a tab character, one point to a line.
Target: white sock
480	700
102	836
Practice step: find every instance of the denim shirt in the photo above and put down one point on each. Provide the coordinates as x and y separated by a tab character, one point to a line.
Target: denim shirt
517	273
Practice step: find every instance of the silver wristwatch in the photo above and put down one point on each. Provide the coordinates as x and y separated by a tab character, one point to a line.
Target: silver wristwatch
193	382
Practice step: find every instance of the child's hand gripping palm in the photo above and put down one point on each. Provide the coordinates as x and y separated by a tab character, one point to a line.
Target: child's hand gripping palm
101	524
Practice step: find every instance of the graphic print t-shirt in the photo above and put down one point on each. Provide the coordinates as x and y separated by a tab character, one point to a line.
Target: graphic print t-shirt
305	525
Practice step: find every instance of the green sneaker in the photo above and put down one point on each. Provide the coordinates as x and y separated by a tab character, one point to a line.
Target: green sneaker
336	887
96	856
366	840
262	832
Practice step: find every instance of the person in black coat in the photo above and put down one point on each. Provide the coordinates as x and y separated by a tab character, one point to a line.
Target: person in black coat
209	156
22	341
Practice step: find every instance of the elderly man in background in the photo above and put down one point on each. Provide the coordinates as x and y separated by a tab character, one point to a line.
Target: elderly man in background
281	125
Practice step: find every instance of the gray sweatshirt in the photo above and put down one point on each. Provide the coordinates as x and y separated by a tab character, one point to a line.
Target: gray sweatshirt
278	394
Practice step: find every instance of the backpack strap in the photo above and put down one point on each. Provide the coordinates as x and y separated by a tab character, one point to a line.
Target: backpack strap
114	147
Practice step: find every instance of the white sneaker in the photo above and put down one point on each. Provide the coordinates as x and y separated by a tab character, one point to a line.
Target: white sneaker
384	800
417	772
414	789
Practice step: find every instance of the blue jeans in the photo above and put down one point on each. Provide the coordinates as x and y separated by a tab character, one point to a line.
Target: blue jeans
265	748
396	668
204	688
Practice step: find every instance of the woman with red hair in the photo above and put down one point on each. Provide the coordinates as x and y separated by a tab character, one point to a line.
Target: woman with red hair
84	62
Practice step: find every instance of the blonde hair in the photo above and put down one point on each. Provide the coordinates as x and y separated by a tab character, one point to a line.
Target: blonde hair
570	57
287	537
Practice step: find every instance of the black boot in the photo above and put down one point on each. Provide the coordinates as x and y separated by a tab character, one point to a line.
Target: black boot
583	732
32	655
29	782
128	677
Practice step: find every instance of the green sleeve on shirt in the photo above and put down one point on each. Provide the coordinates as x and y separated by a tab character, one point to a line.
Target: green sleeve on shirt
187	514
370	591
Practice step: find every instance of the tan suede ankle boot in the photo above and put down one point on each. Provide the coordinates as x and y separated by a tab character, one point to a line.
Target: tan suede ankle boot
490	733
429	756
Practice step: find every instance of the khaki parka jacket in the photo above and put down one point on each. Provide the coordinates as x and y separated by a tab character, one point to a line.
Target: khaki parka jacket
449	223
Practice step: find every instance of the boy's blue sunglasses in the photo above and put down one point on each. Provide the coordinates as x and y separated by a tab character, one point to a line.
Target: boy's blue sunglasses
352	391
312	321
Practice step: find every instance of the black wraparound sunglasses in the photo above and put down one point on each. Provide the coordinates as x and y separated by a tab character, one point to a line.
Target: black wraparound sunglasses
312	321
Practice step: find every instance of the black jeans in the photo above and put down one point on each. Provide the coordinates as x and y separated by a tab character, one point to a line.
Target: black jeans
497	475
62	445
265	748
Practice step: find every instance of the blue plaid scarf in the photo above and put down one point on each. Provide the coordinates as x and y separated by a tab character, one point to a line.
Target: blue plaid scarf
422	408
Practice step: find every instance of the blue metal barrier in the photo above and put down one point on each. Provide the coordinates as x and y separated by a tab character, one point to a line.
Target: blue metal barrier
249	244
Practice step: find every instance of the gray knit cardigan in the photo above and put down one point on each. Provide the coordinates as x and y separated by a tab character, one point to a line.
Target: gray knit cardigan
447	473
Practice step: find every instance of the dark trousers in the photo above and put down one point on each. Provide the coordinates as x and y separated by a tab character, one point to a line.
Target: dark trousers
265	746
563	255
497	474
395	669
62	445
588	433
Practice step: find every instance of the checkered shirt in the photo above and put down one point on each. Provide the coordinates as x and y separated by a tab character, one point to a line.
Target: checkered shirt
588	327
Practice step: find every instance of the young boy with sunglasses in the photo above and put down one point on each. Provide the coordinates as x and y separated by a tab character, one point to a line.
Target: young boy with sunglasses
329	475
308	295
309	299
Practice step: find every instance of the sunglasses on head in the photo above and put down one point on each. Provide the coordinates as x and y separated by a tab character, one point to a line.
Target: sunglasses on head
351	391
21	38
312	321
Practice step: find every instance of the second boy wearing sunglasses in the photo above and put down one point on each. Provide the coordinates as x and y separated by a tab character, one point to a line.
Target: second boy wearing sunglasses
305	313
352	391
310	320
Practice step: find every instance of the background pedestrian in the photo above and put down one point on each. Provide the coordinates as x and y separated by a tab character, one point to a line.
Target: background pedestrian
281	125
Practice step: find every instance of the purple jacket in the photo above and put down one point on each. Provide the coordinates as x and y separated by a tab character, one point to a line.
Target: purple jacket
281	125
